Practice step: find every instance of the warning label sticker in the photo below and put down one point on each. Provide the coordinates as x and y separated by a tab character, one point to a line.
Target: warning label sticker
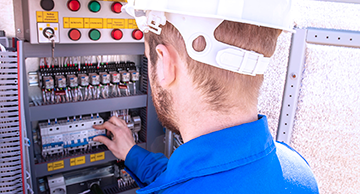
97	157
77	161
55	165
47	16
99	23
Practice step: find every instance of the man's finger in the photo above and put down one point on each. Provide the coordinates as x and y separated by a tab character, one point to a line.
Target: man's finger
104	140
107	125
117	121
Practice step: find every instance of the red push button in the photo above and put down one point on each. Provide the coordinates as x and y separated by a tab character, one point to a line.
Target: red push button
137	34
116	34
73	5
74	34
116	7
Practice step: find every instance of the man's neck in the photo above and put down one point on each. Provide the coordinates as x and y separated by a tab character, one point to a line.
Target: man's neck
203	121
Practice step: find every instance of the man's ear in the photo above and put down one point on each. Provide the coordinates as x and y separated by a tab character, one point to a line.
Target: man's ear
165	65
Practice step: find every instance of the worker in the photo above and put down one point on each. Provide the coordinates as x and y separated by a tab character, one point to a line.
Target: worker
206	64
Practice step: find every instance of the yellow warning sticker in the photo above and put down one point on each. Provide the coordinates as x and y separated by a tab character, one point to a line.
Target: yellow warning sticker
109	23
66	22
55	165
132	24
96	23
119	23
50	16
100	23
77	161
76	22
86	23
39	16
97	157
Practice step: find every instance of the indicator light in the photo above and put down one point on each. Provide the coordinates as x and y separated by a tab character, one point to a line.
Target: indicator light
116	34
94	34
74	34
73	5
47	5
137	34
94	6
116	7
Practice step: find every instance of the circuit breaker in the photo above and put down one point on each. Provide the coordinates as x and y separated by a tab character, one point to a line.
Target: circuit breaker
80	62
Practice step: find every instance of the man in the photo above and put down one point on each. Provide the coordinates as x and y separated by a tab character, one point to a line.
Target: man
205	77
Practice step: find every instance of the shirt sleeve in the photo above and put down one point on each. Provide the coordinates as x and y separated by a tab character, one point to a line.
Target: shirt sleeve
145	166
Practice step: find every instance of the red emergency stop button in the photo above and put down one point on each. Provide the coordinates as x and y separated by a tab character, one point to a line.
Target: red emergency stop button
116	34
74	34
137	34
116	7
73	5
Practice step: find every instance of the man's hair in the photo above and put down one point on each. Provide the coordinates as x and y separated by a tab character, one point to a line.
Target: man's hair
217	85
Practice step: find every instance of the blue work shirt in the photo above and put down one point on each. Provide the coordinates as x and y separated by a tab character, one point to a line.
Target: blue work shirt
240	159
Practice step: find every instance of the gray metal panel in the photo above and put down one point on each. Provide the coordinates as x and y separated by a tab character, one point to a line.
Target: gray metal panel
63	50
86	107
333	37
292	86
42	169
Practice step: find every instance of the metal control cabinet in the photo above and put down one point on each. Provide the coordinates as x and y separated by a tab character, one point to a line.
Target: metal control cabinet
53	173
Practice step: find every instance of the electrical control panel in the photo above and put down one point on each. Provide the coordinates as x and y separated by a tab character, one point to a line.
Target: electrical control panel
81	62
79	21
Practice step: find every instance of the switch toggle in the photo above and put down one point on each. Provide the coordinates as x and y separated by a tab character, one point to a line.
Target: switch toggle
48	33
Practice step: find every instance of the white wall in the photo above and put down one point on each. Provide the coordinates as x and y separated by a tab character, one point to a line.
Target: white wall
7	17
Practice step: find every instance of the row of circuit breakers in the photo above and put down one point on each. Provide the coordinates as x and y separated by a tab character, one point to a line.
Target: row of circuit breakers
65	136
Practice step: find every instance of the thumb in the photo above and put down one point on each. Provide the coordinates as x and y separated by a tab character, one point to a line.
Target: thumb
104	140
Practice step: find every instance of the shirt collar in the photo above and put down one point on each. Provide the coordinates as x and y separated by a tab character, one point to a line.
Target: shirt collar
216	152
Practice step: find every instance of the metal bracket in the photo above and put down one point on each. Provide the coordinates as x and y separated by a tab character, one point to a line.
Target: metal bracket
295	68
292	86
333	37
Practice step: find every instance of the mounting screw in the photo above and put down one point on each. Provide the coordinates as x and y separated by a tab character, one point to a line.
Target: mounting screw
18	30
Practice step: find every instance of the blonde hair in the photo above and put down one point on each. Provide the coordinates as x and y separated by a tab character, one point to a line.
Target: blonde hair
222	89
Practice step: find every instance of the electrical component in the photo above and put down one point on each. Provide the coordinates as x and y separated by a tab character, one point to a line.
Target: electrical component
115	77
60	81
105	78
65	136
94	79
84	80
56	184
73	81
48	82
125	76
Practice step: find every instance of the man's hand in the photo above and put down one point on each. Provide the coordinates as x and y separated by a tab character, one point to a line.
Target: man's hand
122	140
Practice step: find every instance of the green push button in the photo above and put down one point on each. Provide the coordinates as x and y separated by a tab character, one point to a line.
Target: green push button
94	34
94	6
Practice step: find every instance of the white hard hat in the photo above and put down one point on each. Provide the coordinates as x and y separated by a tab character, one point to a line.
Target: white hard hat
194	18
